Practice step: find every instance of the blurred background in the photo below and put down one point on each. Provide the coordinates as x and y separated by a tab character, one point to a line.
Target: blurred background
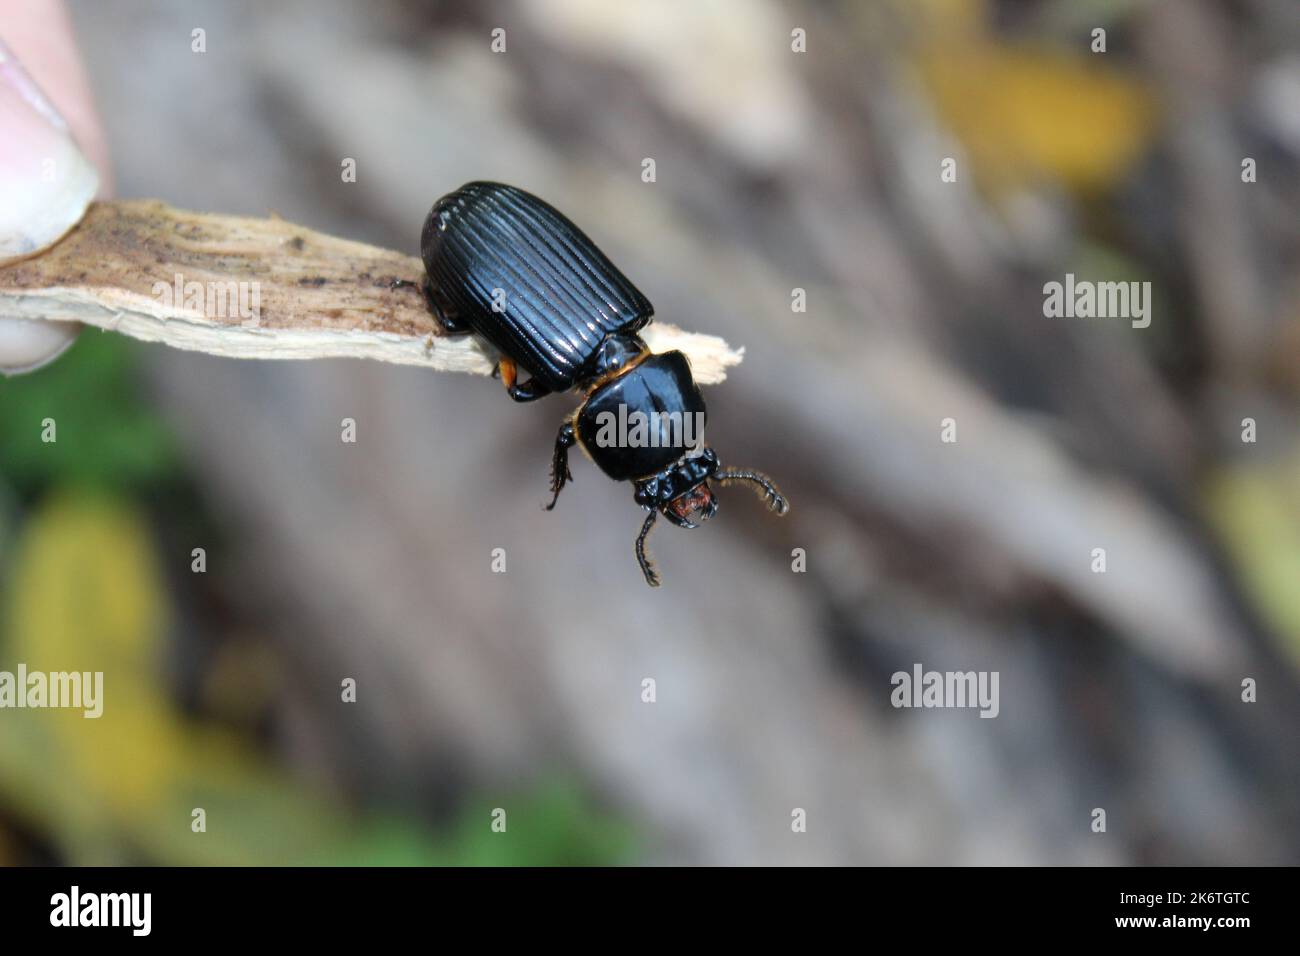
775	170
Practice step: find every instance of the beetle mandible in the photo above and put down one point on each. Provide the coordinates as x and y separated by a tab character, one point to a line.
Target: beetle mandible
506	266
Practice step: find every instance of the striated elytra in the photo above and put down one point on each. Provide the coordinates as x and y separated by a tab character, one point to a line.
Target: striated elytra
506	266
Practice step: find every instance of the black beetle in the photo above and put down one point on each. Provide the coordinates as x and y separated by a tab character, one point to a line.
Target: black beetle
510	268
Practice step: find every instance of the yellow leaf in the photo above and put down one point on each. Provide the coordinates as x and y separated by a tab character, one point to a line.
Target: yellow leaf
85	596
85	591
1256	510
1025	114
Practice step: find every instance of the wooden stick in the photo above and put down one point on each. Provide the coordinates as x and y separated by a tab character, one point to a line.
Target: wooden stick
242	287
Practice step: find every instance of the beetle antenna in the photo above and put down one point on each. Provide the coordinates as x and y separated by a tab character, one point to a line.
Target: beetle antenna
764	487
647	566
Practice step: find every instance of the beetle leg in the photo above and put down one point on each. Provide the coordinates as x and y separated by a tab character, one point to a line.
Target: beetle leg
530	391
647	566
507	372
765	487
452	324
560	461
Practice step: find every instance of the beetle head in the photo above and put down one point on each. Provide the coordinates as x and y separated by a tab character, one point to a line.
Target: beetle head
681	491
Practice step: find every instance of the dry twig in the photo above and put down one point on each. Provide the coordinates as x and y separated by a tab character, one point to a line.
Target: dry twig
259	288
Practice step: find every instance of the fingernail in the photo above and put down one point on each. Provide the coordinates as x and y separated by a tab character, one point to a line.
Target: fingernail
46	182
26	345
